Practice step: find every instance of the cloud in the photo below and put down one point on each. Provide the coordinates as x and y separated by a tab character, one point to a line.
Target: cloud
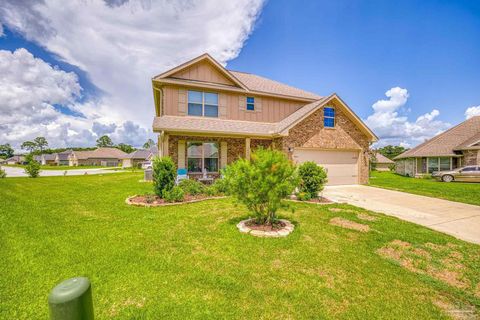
122	44
472	111
393	127
102	129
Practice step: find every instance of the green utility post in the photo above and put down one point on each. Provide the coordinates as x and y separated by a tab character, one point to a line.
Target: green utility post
71	300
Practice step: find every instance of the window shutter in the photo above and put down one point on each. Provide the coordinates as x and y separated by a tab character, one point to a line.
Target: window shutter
242	103
181	154
182	102
223	154
222	105
258	104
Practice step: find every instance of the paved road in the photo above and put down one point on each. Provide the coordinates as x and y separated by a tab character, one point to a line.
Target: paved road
19	172
454	218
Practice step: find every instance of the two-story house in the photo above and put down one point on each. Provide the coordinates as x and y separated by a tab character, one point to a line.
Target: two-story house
208	116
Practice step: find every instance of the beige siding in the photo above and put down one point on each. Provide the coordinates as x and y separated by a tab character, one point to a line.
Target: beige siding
203	71
233	106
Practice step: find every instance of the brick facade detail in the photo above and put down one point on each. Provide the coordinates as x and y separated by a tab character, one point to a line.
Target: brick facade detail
471	157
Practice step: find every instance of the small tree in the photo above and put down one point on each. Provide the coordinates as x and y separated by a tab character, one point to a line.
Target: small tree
3	174
104	141
33	167
261	183
312	179
163	175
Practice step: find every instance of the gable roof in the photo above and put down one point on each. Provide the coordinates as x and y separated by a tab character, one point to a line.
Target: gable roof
245	82
444	144
254	128
105	153
382	159
142	153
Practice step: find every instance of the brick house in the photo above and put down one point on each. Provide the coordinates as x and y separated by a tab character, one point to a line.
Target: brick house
457	147
208	116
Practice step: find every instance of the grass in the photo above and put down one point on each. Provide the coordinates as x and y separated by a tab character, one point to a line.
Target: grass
47	167
455	191
190	261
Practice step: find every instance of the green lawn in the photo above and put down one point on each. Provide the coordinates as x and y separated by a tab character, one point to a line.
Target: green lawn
190	261
46	167
455	191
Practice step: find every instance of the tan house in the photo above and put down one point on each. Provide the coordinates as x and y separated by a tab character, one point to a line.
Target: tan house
106	157
46	159
454	148
139	157
382	162
62	158
208	116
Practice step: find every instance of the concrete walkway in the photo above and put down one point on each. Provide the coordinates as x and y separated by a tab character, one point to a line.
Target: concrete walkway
457	219
20	172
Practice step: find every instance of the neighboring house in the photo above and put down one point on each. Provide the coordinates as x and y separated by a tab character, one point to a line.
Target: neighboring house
46	159
107	157
382	162
19	159
454	148
139	157
208	116
62	158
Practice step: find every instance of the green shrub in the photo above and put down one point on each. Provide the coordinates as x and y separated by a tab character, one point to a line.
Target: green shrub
163	175
192	187
261	183
219	186
312	179
175	194
303	196
3	174
33	167
392	167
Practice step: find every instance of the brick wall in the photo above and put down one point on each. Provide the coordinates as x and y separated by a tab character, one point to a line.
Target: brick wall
471	157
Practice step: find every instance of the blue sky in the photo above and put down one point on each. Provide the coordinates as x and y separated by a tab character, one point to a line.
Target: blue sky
75	70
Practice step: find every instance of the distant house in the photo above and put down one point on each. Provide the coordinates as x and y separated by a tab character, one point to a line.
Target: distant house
106	157
138	157
62	158
19	159
382	162
454	148
46	159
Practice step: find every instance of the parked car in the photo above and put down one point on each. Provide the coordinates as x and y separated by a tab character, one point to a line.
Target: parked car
465	174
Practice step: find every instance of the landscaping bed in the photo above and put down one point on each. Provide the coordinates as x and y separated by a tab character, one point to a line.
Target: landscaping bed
156	201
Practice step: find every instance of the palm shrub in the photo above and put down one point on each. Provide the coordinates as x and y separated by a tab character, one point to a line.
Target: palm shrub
33	167
261	183
163	175
312	179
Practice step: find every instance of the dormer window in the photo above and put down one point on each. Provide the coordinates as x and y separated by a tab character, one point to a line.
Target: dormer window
202	104
329	117
250	103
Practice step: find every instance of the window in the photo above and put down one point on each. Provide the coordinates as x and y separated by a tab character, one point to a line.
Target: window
329	117
202	104
432	164
444	164
438	164
250	103
202	155
469	169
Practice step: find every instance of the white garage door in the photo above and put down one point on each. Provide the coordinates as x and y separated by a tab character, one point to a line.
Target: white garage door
342	166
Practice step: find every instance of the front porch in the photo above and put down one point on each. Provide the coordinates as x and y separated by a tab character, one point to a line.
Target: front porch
420	166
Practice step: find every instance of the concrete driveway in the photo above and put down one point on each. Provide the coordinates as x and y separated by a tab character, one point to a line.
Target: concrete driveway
19	172
457	219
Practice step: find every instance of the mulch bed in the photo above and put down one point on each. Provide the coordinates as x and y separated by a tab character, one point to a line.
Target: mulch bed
254	226
156	201
319	200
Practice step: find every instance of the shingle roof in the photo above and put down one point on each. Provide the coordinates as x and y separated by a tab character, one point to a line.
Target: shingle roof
382	159
447	142
101	153
257	83
63	156
471	143
142	153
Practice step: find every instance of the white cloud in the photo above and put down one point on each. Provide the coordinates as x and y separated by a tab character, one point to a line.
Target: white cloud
472	111
393	127
122	44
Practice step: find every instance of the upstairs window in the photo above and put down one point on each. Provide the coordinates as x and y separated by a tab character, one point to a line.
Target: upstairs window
202	104
329	117
250	103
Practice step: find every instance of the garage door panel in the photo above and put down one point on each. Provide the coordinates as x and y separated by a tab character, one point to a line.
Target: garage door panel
341	166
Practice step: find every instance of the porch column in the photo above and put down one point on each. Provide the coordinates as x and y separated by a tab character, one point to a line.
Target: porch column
160	143
247	148
165	145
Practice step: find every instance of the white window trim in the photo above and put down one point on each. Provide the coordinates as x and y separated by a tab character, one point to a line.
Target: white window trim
203	156
203	103
328	117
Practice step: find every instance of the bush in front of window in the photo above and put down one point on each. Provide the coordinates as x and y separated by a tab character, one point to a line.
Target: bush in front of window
163	175
175	194
312	179
261	183
192	187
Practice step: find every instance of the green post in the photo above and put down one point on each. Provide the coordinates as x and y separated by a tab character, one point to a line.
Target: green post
71	300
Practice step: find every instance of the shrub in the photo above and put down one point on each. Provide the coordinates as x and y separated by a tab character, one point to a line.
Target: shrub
175	194
3	174
149	198
392	167
163	175
219	186
312	179
192	187
303	196
261	183
33	167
